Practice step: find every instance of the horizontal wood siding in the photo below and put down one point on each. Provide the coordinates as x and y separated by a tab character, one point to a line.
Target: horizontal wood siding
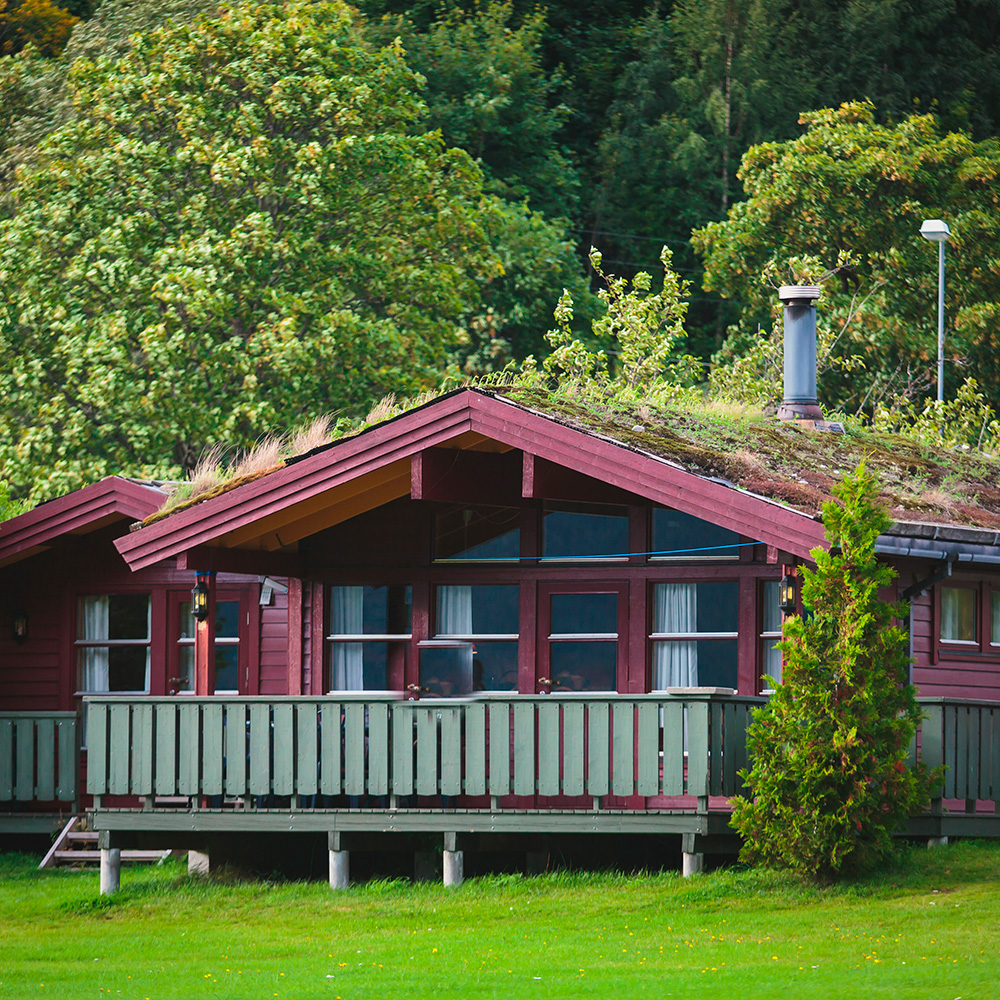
274	646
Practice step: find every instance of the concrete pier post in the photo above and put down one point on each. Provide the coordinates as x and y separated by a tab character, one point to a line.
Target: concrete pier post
340	869
198	863
453	861
111	870
691	863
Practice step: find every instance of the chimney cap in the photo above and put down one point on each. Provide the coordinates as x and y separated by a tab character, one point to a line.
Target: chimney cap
792	293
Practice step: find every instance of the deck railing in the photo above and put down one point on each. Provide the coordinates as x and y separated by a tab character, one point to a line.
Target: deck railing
255	748
563	745
963	735
38	758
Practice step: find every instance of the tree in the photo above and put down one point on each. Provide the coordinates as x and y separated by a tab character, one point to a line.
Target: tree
38	23
246	223
829	776
851	186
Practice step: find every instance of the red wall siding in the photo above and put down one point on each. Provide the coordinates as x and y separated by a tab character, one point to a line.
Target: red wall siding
274	646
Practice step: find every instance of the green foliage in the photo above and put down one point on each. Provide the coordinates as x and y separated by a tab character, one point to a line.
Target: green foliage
640	331
9	507
36	23
850	185
829	776
246	222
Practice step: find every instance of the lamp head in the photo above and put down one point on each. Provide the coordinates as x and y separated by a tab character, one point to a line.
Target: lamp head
935	230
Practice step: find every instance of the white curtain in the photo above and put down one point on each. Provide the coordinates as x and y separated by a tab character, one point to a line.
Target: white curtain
348	657
958	614
772	623
93	627
454	611
675	610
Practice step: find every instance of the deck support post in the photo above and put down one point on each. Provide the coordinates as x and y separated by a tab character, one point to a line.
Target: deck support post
691	863
340	863
111	864
198	863
453	861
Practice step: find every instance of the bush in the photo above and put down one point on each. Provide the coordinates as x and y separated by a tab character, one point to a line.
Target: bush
829	773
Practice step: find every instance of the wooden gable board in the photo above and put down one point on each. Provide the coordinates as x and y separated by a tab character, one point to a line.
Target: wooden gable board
302	483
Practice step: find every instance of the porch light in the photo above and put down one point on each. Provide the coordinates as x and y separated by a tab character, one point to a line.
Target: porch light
19	627
199	599
786	595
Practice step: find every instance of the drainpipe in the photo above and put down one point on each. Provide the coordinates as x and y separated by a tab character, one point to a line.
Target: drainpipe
800	401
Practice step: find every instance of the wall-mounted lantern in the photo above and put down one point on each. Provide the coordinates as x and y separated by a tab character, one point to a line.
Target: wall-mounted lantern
19	627
786	595
199	598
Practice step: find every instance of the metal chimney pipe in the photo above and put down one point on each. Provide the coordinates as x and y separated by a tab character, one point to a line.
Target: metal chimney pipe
800	402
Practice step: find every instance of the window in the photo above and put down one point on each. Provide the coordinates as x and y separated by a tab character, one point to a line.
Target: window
227	647
368	626
583	640
478	533
694	635
682	536
969	619
475	644
584	531
112	640
770	633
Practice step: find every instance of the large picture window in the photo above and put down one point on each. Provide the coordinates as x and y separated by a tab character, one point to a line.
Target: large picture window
478	533
575	531
475	642
367	626
677	535
694	635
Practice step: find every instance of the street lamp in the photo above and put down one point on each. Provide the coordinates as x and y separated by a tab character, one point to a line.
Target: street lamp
938	232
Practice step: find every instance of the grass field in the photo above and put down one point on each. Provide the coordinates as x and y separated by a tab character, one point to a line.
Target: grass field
929	927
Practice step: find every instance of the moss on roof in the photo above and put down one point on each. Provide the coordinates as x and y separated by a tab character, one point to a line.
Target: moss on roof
751	450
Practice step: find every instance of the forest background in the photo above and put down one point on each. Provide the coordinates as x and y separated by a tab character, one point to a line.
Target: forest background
215	225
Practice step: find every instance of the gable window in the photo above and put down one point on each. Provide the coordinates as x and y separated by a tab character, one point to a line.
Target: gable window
368	627
477	533
584	531
694	635
770	634
969	619
475	643
677	535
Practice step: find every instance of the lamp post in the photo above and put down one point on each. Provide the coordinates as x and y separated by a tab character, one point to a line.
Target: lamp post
938	232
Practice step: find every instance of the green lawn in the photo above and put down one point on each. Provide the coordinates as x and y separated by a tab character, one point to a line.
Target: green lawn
927	928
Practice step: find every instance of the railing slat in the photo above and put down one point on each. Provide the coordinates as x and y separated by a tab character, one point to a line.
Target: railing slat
697	744
548	748
732	736
354	748
648	749
972	791
524	748
573	748
260	749
378	749
500	748
45	778
331	742
119	743
24	777
995	754
962	752
212	749
451	751
623	740
142	749
165	761
715	730
97	749
6	760
949	750
673	747
427	756
68	767
307	749
598	745
236	749
475	749
189	742
282	779
402	749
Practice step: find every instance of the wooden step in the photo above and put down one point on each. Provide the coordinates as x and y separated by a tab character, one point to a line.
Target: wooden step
81	857
80	836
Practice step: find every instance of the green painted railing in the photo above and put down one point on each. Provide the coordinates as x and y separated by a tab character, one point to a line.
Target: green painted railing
546	745
965	737
38	757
